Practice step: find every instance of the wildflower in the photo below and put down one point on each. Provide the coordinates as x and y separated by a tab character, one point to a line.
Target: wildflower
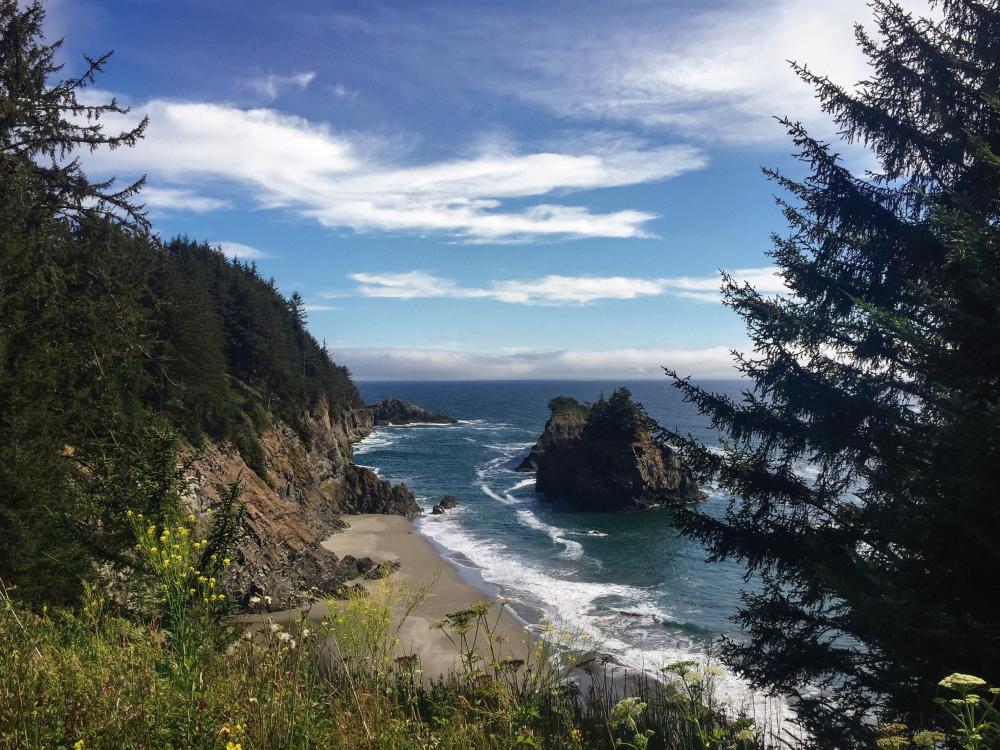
78	745
267	600
129	513
226	561
191	517
234	746
745	735
928	739
284	636
255	600
961	682
274	627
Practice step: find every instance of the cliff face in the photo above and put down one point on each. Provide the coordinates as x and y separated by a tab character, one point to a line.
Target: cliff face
594	465
297	505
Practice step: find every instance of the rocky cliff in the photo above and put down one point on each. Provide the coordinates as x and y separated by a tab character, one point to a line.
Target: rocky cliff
296	505
604	457
395	411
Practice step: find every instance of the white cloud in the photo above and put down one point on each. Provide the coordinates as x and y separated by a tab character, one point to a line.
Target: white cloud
165	199
236	250
560	290
321	308
706	288
446	364
285	161
271	86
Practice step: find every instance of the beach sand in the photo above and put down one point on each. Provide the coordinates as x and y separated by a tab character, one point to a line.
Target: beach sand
386	538
394	538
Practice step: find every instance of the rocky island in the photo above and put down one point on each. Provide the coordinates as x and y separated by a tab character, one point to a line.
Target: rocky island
396	411
604	457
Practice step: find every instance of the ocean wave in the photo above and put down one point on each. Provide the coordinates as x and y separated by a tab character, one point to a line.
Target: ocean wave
509	448
506	499
375	441
522	484
571	549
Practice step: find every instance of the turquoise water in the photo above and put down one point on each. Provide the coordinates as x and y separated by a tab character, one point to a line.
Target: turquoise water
627	578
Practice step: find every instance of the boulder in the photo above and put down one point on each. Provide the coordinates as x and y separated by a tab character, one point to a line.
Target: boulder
447	503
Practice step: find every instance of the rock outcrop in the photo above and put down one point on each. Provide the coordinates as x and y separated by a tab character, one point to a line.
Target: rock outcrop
447	503
296	504
395	411
604	457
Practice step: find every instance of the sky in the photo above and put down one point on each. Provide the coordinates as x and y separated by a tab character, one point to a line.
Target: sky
464	190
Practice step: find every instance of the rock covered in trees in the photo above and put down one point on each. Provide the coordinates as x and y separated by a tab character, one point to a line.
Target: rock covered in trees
395	411
605	457
447	503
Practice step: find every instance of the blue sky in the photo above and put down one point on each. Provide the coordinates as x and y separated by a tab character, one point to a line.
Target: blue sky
476	189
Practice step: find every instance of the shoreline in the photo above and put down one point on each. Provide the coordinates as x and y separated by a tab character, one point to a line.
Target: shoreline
386	538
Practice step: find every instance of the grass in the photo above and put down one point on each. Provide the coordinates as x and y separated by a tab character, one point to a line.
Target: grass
168	669
97	679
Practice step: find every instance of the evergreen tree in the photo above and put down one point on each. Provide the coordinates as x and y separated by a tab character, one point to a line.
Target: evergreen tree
881	369
43	124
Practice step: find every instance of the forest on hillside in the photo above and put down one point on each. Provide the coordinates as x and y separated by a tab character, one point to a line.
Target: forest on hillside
115	346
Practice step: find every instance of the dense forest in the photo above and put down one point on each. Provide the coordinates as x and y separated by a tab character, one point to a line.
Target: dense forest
117	347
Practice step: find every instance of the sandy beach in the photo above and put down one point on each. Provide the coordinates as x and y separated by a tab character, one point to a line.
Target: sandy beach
393	538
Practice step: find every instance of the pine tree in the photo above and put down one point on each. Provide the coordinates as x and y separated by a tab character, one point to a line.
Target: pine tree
43	124
880	369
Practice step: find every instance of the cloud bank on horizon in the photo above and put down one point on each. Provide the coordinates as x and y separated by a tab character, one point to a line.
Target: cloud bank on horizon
639	363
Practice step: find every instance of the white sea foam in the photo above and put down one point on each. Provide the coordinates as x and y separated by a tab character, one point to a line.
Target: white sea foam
509	448
571	549
376	440
505	498
605	612
522	484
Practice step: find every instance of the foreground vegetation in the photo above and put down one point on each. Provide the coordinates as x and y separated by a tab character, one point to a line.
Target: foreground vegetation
167	669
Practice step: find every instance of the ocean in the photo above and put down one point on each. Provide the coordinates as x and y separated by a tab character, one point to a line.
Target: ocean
629	580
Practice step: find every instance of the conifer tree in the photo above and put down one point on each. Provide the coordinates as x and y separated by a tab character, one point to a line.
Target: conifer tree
43	124
881	369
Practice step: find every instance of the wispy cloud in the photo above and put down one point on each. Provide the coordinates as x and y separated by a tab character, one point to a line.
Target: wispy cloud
285	161
236	250
709	72
165	200
447	364
270	86
560	290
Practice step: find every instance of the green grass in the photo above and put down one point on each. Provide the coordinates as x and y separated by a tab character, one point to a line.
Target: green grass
166	668
94	679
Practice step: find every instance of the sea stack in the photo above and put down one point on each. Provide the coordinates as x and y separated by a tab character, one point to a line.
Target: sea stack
395	411
604	457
